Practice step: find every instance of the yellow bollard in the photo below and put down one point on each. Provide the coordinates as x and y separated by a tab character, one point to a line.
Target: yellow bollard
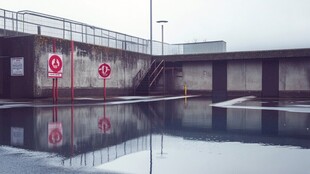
185	89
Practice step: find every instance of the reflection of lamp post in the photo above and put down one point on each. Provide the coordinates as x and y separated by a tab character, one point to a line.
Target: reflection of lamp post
162	35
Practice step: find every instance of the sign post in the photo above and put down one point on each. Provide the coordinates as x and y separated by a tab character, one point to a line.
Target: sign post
104	71
55	70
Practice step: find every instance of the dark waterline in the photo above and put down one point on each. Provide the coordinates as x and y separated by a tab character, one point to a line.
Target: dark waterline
81	137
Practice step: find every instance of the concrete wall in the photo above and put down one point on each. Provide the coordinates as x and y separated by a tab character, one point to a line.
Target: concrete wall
245	70
1	66
294	75
273	73
196	75
244	75
87	59
18	86
241	76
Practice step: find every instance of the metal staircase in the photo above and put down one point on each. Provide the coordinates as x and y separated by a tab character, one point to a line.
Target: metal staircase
146	81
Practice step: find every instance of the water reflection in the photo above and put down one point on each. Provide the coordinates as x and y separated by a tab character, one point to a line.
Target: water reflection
93	135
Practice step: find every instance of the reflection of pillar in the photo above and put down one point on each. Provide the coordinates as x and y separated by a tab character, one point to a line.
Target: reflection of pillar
219	115
162	131
116	155
219	79
101	157
151	127
125	148
162	143
108	154
81	160
72	129
93	158
219	118
85	159
270	121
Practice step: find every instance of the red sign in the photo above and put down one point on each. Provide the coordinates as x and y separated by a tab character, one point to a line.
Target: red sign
55	135
104	124
55	66
104	71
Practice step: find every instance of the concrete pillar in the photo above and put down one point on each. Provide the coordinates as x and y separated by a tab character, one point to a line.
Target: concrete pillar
219	79
270	78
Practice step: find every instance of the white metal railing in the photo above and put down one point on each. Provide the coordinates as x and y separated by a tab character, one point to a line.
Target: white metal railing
29	22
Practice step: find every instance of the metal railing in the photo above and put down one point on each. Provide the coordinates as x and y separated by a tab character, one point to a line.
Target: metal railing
152	73
156	72
29	22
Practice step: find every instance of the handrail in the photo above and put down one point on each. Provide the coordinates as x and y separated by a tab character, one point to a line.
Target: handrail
43	15
161	69
156	68
141	75
136	44
23	22
138	78
152	73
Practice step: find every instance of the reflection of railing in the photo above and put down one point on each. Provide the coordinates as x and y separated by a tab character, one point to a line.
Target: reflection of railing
107	154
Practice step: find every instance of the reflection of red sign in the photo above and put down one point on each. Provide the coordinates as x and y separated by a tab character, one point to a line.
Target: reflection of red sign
104	124
55	66
55	136
104	70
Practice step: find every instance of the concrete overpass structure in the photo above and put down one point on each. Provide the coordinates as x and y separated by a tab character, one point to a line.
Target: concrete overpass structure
273	73
276	73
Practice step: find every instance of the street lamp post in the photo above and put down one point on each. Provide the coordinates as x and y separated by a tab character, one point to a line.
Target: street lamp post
151	28
162	35
162	22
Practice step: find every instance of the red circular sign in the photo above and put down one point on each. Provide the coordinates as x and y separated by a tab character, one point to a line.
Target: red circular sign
104	124
55	63
55	136
104	70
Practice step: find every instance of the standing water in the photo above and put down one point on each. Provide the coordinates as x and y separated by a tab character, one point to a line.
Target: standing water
156	135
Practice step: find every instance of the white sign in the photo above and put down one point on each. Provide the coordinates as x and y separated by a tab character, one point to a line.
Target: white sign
17	66
17	136
55	66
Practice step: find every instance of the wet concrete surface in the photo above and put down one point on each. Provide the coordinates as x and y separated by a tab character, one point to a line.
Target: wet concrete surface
154	135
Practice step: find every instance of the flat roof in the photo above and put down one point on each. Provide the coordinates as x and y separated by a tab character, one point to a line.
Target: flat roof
265	54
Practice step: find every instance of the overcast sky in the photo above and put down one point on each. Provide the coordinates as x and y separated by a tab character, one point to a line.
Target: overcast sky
243	24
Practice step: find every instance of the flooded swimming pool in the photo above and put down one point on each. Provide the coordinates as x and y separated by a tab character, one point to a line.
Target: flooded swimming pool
156	135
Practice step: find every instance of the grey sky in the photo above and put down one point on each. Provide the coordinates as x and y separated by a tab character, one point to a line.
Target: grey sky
243	24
